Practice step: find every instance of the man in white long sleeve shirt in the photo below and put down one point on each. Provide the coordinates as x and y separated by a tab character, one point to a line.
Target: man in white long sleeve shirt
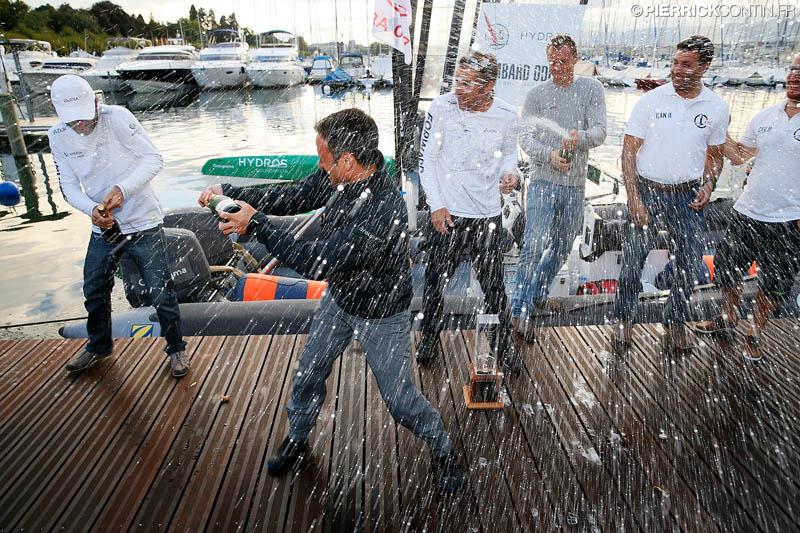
105	164
468	156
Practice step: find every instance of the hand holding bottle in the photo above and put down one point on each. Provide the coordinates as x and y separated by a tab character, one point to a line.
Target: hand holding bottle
102	217
238	221
208	193
114	198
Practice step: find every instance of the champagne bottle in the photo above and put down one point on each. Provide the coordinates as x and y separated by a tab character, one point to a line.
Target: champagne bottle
112	235
223	204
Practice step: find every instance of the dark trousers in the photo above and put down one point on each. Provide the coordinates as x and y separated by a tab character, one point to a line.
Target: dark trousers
147	249
475	238
669	211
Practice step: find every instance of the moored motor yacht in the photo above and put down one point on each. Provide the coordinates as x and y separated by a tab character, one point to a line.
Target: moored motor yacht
39	79
221	64
275	63
104	76
160	68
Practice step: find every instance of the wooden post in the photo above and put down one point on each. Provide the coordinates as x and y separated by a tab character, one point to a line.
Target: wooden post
11	123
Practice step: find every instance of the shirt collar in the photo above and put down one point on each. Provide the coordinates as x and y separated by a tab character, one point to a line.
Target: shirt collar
705	93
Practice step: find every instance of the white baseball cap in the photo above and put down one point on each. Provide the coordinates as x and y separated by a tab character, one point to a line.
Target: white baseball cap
73	98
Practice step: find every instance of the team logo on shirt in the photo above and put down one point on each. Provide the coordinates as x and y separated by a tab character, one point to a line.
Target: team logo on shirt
797	134
701	121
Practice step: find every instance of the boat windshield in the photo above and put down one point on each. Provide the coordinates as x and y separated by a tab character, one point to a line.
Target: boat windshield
28	45
351	62
163	57
219	57
270	59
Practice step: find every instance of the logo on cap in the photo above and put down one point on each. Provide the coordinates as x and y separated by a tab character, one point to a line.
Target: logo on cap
797	134
701	121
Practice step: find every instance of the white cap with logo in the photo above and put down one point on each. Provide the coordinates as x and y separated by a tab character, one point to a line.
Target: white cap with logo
73	98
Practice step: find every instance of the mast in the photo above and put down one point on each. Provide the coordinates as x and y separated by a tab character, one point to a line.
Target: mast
336	28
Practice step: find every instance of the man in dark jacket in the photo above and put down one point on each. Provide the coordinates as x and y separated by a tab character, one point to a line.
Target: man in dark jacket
363	253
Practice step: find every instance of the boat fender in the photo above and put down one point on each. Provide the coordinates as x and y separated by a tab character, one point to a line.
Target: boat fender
709	261
258	287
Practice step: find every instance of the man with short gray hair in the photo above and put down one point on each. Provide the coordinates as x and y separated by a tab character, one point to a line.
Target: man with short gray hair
561	120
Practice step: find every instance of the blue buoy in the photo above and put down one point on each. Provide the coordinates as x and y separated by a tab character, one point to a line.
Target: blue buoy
9	194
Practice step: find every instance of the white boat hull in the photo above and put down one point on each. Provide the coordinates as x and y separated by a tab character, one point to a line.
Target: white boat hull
227	75
155	86
107	82
276	77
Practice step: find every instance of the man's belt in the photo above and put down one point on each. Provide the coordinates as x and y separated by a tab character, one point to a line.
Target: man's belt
686	186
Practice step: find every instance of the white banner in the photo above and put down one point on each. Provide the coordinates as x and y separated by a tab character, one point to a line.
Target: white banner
518	35
390	24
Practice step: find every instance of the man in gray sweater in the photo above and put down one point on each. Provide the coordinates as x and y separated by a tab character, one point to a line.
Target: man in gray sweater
561	120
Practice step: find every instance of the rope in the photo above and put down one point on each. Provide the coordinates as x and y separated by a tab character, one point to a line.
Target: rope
6	326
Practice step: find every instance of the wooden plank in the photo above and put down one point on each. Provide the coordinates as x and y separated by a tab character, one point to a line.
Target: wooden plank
14	352
506	441
133	417
459	511
163	476
381	477
55	417
660	411
48	394
57	470
309	486
673	495
39	368
210	468
345	502
782	344
606	506
642	498
417	497
528	487
750	403
691	430
748	472
246	468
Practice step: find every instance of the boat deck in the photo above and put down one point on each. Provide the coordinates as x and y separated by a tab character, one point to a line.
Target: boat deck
587	441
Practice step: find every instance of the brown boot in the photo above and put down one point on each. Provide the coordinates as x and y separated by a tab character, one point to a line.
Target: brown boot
676	339
622	336
523	327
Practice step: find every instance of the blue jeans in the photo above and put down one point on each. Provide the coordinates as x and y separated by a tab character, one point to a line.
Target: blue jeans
554	216
148	251
387	347
668	211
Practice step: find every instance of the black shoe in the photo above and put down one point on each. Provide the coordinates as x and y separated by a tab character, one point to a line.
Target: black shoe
448	475
84	360
290	455
428	348
178	364
511	361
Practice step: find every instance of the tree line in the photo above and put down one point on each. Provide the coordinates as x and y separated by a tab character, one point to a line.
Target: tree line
68	29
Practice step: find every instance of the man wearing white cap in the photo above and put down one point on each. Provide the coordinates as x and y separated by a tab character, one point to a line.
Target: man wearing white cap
105	162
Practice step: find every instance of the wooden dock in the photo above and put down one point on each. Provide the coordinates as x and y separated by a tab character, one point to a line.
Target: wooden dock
587	441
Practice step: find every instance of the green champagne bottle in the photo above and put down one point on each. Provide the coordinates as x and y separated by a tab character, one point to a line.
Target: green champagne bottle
112	235
223	204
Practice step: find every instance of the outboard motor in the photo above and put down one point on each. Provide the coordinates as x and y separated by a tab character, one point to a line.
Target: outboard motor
604	229
188	266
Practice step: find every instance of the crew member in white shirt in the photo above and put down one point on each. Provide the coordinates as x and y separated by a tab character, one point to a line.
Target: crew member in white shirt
765	224
468	157
106	160
671	158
